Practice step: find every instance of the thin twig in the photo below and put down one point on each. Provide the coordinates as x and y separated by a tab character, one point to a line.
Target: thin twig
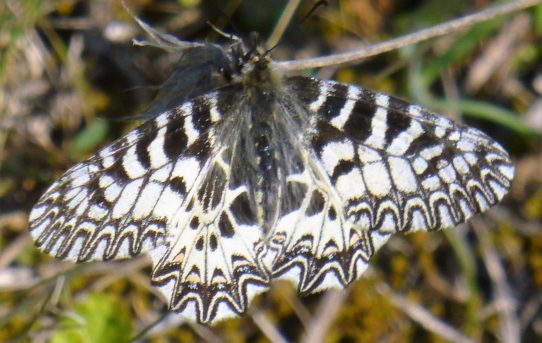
144	333
268	328
412	38
423	317
158	39
505	301
326	314
290	295
283	22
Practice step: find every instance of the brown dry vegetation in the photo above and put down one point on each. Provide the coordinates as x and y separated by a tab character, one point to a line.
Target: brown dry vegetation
69	72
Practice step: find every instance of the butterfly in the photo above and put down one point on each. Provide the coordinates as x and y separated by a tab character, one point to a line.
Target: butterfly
249	175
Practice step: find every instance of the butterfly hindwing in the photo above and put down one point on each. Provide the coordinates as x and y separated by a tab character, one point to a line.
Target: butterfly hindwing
313	244
212	268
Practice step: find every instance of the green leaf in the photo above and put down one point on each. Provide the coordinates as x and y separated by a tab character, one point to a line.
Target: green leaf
489	112
88	139
538	19
459	50
100	318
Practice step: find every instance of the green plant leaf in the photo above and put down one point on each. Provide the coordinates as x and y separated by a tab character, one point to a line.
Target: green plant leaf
88	139
100	318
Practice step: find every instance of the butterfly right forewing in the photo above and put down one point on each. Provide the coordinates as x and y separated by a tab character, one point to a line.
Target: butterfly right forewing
398	167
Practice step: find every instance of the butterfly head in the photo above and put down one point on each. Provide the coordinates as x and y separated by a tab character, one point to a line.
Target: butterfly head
255	52
252	59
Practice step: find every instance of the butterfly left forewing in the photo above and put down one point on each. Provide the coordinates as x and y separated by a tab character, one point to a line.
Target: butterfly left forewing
112	205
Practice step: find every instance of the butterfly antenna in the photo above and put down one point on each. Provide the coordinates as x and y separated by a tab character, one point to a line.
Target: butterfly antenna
318	4
229	36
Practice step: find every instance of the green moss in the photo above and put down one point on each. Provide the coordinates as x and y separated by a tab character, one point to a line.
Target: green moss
98	319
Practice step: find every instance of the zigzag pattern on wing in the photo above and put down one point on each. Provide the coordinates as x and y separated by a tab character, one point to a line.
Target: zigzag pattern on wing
212	268
313	245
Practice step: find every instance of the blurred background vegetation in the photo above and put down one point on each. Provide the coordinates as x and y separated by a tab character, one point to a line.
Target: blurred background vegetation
70	76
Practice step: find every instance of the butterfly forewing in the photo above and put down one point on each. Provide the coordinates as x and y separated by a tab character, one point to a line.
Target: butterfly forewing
397	167
96	209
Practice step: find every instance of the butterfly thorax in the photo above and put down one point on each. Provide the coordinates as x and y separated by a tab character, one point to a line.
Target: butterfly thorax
252	143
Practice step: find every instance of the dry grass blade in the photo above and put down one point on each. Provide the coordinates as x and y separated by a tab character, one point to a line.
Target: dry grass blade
283	22
409	39
505	302
497	52
327	311
423	317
